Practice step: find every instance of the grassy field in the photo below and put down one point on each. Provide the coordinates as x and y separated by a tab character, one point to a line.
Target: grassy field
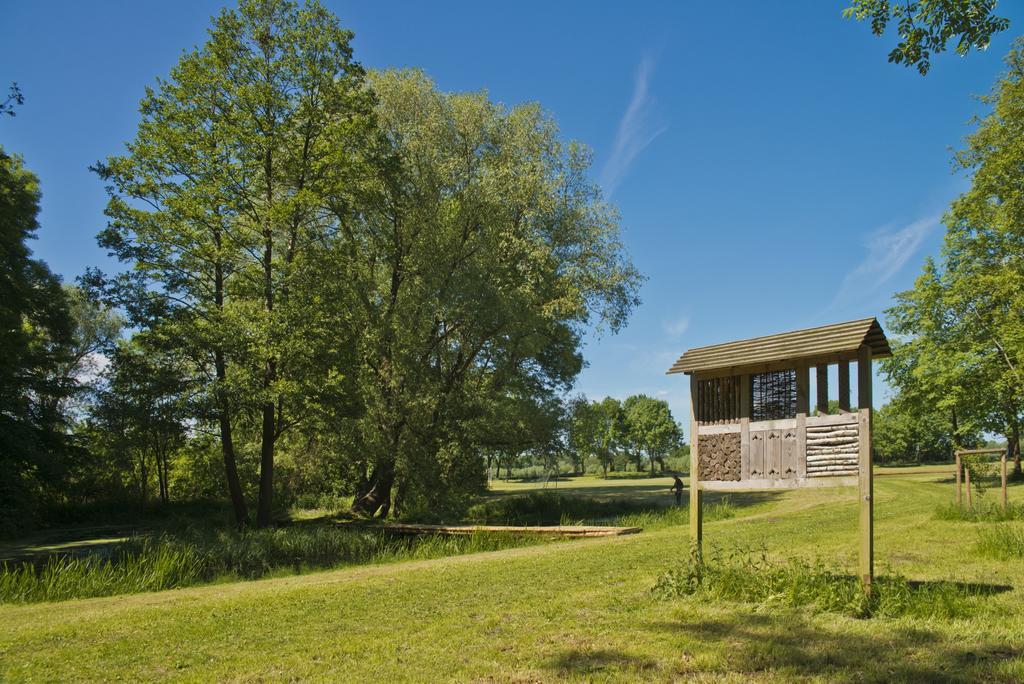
582	610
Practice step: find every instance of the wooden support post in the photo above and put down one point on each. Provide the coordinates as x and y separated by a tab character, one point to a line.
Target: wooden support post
696	514
865	475
1002	468
967	484
821	380
745	426
803	390
959	482
844	386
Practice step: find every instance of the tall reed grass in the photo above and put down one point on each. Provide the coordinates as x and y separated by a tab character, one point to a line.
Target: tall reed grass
198	557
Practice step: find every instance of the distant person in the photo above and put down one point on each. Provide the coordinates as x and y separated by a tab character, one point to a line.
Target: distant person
677	487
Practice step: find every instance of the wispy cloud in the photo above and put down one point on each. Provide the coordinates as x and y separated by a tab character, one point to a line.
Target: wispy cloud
677	328
638	128
888	249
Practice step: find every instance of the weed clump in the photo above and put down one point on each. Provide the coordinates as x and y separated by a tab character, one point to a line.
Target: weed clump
743	576
982	512
1003	541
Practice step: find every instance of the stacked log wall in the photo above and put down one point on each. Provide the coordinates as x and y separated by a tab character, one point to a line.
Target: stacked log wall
832	450
720	457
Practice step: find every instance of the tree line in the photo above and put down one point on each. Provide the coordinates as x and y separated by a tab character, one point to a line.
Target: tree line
582	436
334	281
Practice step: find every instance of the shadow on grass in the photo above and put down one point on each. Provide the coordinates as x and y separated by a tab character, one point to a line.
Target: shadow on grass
601	661
791	646
973	588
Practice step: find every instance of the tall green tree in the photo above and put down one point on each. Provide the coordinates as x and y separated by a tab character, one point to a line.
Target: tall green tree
224	204
650	425
479	255
964	319
35	336
925	27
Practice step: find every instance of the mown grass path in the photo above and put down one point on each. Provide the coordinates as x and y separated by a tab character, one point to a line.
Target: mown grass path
577	611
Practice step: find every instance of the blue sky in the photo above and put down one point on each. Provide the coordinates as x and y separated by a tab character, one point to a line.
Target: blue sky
772	170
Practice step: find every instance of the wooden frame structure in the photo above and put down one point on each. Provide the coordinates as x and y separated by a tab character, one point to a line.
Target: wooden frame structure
751	422
962	468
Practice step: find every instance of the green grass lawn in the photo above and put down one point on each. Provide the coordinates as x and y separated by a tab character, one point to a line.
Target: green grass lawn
582	610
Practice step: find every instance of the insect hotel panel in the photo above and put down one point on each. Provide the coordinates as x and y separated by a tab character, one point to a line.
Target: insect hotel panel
752	414
752	427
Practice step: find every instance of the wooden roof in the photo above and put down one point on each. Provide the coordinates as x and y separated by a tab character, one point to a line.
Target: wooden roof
838	341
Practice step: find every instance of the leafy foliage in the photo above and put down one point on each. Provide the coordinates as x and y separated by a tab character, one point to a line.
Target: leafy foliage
925	27
35	337
962	322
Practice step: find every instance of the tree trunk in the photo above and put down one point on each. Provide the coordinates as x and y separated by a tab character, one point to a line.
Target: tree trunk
227	446
161	473
377	494
652	465
227	443
955	441
264	508
143	477
1015	453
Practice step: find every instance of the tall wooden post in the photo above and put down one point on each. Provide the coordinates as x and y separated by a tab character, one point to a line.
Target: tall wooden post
803	400
821	382
967	484
865	475
803	390
844	386
696	512
745	407
959	484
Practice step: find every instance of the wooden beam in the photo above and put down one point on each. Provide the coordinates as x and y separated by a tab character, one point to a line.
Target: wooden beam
865	474
821	382
696	514
764	484
844	386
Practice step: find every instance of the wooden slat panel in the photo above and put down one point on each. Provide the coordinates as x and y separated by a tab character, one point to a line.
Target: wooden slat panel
773	454
790	445
757	452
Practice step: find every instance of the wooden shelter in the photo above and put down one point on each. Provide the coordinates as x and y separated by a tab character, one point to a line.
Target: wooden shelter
751	422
